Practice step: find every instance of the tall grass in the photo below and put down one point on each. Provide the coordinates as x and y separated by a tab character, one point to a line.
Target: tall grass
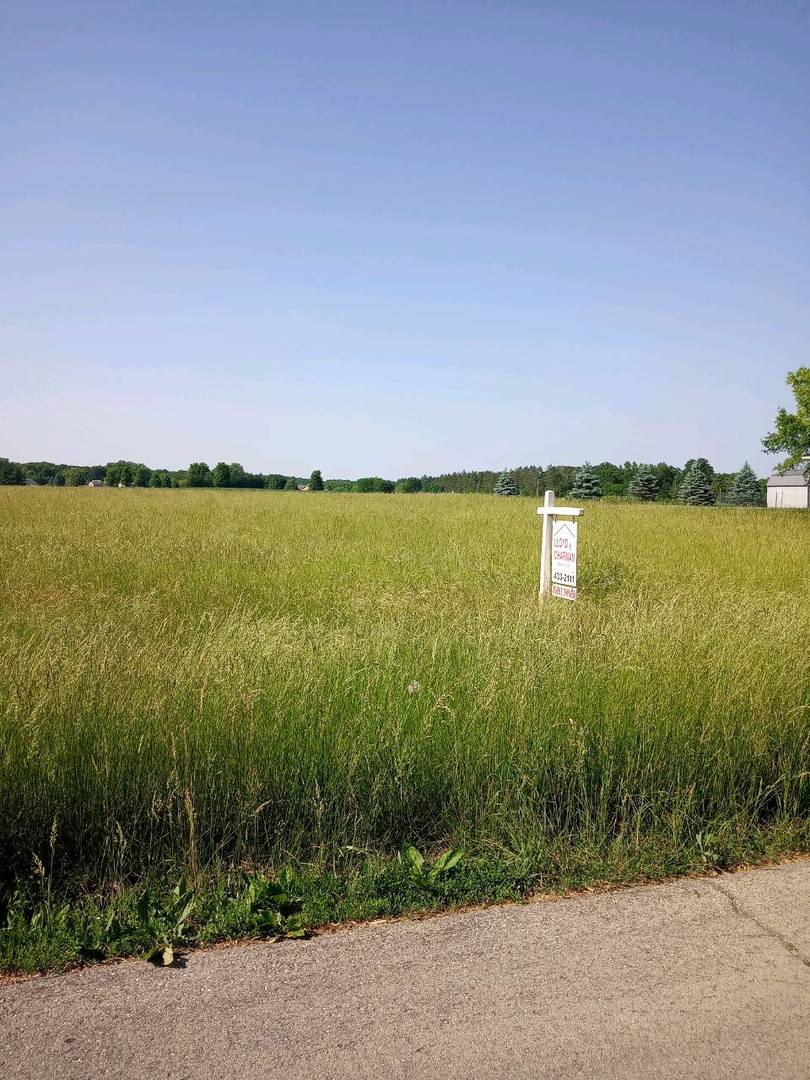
194	678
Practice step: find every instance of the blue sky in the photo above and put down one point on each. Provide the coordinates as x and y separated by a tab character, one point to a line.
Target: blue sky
399	238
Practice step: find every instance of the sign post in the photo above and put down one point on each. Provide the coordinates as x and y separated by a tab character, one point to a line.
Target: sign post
558	559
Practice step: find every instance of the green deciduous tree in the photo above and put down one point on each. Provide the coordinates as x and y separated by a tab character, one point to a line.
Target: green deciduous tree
237	475
644	484
291	484
10	472
695	489
368	484
76	476
409	485
221	474
141	475
505	484
119	473
791	434
198	475
745	489
316	481
587	484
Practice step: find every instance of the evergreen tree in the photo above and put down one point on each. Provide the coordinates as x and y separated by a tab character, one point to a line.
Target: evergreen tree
644	484
745	491
316	481
695	489
703	466
586	483
505	484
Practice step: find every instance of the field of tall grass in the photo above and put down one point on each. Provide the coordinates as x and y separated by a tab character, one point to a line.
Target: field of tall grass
202	683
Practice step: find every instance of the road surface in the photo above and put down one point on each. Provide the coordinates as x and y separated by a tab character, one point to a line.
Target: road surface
704	978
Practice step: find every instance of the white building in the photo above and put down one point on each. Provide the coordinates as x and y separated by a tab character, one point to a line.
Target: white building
790	490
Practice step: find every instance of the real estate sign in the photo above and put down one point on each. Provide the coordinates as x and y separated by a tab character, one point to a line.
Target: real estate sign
564	559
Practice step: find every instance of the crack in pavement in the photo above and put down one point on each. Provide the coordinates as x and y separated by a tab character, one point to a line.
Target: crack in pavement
739	909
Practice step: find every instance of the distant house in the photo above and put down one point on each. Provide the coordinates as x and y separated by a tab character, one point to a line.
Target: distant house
790	490
96	483
303	487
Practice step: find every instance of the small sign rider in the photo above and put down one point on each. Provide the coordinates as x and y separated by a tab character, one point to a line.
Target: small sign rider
558	560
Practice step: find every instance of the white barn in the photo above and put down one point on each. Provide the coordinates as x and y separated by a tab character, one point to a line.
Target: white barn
790	490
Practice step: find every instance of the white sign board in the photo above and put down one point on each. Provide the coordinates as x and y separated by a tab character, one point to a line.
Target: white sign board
564	559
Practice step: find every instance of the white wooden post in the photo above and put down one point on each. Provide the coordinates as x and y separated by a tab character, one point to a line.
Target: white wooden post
545	553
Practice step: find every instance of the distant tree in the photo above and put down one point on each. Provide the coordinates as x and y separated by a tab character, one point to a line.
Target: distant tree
338	485
529	480
613	478
791	434
367	484
10	472
160	479
119	473
42	472
291	484
409	485
644	485
586	484
667	476
316	481
141	475
198	475
276	482
721	486
505	484
702	465
238	476
560	478
746	489
77	476
221	475
460	482
695	489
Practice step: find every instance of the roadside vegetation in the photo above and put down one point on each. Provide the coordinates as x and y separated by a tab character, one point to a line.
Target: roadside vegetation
228	713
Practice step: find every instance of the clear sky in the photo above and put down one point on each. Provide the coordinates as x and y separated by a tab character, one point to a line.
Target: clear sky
401	237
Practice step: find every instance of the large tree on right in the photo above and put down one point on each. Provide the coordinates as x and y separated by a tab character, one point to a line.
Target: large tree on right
792	430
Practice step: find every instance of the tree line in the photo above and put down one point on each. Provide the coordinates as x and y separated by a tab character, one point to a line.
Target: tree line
662	482
697	482
197	475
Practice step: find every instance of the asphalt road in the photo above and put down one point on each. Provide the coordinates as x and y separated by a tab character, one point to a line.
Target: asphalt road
696	978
